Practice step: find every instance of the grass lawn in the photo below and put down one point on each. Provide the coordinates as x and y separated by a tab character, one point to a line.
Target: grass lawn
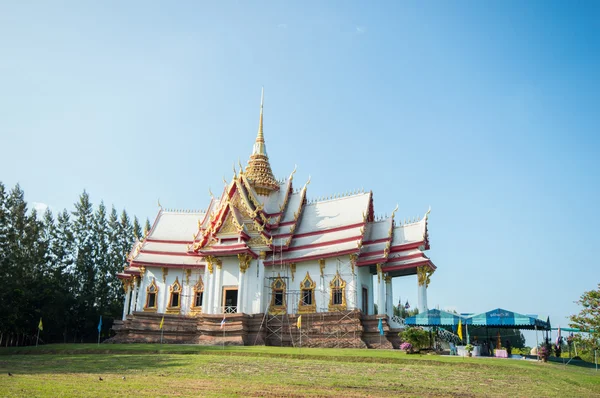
174	370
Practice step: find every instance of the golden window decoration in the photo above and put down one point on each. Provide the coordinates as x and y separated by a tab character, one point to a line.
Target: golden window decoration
278	304
337	294
307	295
174	304
196	307
151	297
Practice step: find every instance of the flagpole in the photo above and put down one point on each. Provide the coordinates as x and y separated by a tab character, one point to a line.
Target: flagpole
38	337
161	335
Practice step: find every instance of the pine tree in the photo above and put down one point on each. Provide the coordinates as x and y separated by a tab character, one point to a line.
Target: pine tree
137	229
102	259
147	228
84	271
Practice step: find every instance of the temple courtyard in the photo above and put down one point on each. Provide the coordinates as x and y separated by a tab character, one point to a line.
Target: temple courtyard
182	370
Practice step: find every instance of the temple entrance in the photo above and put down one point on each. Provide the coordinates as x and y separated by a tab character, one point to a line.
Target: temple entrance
365	301
230	297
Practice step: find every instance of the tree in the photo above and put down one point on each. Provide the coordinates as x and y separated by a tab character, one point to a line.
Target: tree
84	271
588	319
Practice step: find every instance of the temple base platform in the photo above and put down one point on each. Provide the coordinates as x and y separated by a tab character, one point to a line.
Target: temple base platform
341	329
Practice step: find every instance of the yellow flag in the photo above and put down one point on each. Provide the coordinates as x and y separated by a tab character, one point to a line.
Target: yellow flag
40	326
299	322
161	322
460	329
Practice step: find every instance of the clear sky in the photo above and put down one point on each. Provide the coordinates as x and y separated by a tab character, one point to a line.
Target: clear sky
489	111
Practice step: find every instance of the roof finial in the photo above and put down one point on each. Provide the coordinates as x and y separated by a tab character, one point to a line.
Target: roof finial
159	203
259	146
427	214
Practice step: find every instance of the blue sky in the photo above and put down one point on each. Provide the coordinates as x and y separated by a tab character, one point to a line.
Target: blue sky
487	111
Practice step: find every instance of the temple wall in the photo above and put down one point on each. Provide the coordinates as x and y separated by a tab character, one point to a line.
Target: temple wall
365	280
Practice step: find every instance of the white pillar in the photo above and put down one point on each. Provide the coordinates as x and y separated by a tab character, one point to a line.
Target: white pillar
422	297
260	283
140	295
389	304
380	291
207	296
241	291
133	295
126	301
217	308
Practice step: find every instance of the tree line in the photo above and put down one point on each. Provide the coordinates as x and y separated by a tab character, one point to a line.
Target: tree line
61	268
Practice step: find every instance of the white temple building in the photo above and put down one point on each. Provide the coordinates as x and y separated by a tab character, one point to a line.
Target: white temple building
263	249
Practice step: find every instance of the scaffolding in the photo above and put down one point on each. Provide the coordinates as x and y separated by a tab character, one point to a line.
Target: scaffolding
279	330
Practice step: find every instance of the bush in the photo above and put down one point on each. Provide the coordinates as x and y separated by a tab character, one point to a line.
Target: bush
416	336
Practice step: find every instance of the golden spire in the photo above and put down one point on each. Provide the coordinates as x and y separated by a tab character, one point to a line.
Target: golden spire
259	145
258	171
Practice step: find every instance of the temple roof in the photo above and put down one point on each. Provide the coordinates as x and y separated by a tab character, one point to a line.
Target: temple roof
256	213
168	241
258	170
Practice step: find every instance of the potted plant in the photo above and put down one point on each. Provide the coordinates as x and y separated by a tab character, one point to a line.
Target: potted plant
469	349
543	352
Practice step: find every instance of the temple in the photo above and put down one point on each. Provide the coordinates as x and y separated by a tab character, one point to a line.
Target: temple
262	254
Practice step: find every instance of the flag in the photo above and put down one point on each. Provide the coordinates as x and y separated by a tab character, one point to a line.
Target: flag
468	338
558	338
406	306
299	322
162	321
460	330
100	324
223	322
40	326
380	326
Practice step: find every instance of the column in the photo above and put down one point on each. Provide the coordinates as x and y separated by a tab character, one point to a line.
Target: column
133	294
261	282
141	292
207	296
245	260
217	307
389	304
241	291
423	275
380	291
352	291
126	286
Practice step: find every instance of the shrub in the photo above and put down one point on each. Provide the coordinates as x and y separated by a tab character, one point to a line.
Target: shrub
416	336
406	346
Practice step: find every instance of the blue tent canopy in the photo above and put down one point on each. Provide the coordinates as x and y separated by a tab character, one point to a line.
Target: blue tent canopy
501	318
434	318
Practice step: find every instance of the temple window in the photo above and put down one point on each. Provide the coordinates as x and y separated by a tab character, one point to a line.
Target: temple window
151	292
337	298
198	295
278	304
307	295
174	297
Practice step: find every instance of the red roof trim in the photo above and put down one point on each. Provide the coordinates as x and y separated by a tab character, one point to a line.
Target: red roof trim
228	252
404	258
314	257
372	242
406	246
328	243
408	266
163	253
325	231
167	265
175	242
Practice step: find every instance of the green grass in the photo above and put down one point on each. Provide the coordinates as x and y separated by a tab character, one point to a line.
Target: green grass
176	370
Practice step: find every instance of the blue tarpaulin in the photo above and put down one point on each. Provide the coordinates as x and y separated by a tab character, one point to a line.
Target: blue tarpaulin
501	318
434	318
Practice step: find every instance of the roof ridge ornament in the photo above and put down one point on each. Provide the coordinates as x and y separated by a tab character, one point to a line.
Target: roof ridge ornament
426	217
